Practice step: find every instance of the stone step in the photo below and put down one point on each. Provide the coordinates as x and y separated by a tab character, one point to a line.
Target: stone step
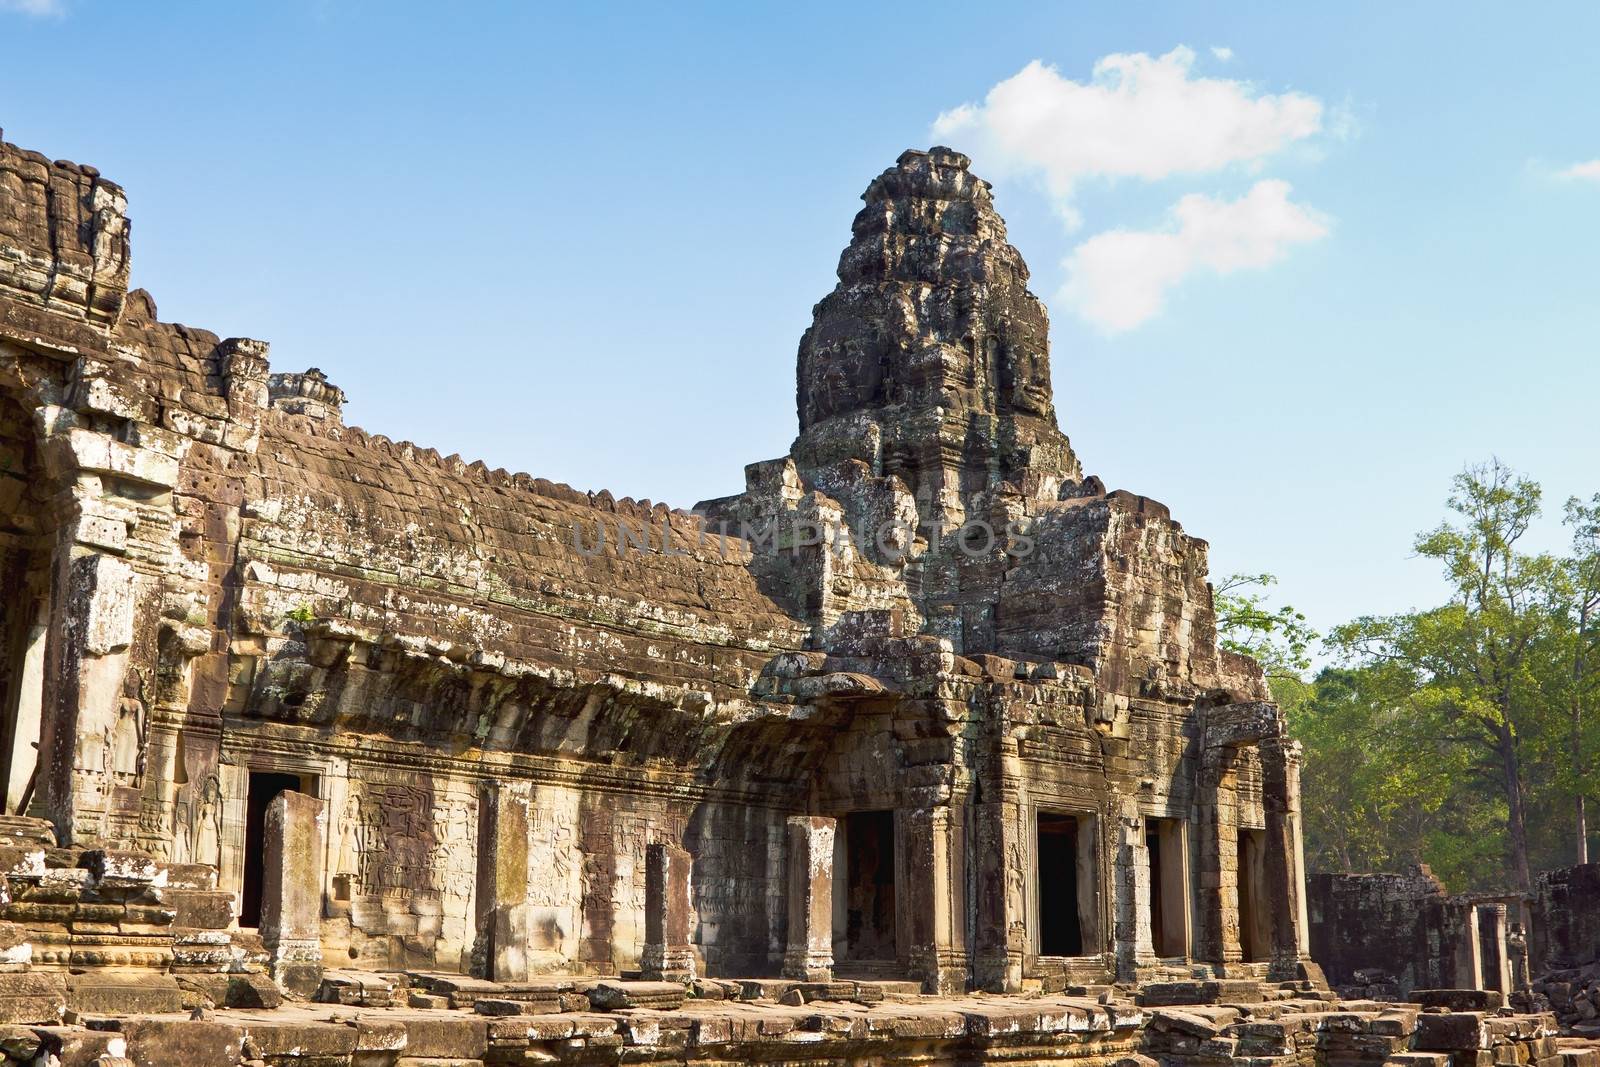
1211	991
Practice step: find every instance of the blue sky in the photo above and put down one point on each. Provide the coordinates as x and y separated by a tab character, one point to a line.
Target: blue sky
583	241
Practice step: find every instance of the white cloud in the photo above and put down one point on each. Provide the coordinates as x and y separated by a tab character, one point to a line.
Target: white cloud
1137	116
1222	52
34	7
1119	279
1589	172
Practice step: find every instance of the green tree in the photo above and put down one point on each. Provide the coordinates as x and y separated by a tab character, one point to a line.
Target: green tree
1470	670
1583	589
1279	638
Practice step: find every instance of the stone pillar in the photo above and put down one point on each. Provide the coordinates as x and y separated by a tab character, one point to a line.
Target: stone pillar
668	915
91	629
1219	857
501	951
291	890
935	898
810	952
1285	877
1000	893
1466	961
1132	938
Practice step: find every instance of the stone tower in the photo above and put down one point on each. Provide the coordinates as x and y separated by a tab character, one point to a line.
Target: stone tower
930	360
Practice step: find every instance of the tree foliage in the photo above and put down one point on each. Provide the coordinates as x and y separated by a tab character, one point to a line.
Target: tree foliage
1462	735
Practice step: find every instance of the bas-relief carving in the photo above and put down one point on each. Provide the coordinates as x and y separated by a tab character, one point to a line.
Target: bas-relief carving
397	839
405	857
555	872
206	829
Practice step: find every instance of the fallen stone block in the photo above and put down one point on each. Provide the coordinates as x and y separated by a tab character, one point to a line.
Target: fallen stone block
32	997
1451	1032
182	1043
1458	999
1418	1059
266	1039
613	996
445	1037
74	1046
357	988
108	994
19	1044
233	990
497	1006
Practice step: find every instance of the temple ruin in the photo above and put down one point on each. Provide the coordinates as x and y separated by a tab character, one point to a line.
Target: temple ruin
291	708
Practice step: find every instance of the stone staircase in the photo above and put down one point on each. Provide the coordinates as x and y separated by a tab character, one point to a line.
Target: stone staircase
89	931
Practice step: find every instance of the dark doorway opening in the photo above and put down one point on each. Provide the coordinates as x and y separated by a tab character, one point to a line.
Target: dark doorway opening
1491	948
869	882
263	787
1254	921
1060	931
1163	839
25	556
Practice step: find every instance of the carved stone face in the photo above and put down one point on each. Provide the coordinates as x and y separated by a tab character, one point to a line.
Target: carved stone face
842	376
1026	371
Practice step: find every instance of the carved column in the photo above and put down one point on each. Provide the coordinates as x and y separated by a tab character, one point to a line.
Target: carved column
1285	873
935	849
501	951
1133	940
1001	893
809	956
668	914
291	890
1219	856
91	629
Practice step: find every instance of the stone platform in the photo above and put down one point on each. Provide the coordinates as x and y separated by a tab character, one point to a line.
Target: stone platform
422	1019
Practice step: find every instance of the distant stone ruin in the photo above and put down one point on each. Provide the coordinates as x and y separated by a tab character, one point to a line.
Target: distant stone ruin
293	709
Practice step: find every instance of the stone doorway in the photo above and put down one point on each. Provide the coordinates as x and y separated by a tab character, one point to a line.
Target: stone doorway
1057	849
262	788
1169	898
1255	922
869	897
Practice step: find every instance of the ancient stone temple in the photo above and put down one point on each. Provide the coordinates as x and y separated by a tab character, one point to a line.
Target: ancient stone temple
994	684
291	708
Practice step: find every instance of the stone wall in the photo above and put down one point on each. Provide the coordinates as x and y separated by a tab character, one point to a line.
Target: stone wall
1565	918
